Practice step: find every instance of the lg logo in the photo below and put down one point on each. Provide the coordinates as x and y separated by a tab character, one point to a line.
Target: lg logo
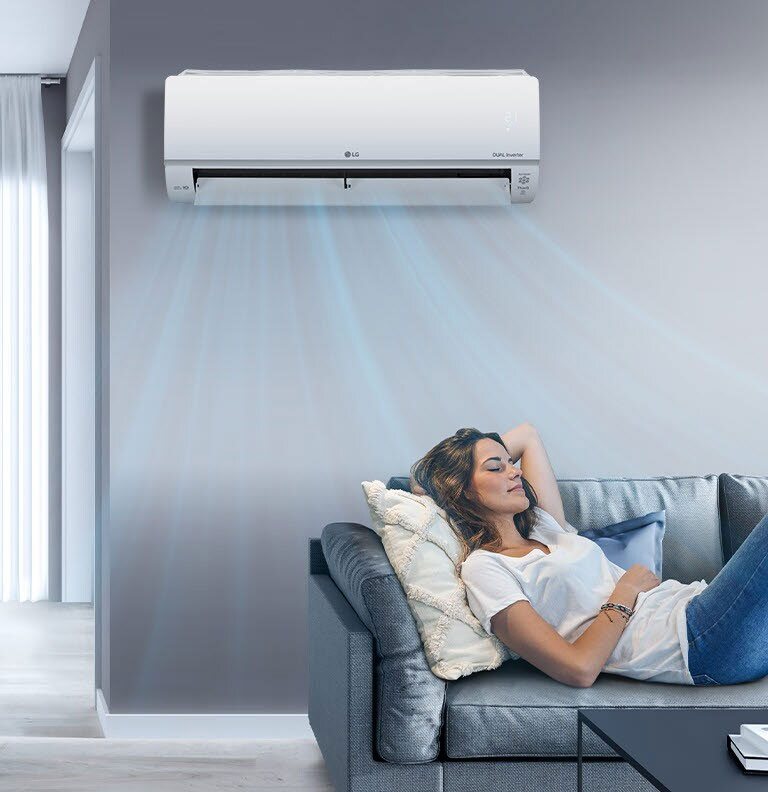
351	153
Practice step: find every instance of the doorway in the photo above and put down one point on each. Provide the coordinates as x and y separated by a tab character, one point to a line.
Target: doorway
80	359
78	349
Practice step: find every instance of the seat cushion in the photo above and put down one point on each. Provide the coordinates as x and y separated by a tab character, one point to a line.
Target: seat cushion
518	711
408	698
744	502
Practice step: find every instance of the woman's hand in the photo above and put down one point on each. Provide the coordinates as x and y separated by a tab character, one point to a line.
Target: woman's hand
415	488
638	578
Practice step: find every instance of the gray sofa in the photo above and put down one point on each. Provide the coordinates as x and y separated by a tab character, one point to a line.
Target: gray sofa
385	723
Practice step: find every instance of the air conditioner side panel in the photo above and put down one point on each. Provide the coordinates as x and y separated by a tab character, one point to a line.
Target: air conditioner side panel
179	183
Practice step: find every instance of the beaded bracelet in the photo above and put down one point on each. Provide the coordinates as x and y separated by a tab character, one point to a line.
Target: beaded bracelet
608	615
624	608
620	608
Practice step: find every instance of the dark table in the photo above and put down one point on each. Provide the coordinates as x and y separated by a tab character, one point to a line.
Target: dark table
677	750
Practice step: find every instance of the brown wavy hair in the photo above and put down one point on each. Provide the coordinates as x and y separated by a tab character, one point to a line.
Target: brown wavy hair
445	474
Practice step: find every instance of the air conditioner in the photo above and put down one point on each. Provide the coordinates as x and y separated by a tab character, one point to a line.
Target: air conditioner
298	137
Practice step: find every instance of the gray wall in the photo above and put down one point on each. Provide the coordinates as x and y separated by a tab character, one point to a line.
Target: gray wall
263	363
54	119
93	43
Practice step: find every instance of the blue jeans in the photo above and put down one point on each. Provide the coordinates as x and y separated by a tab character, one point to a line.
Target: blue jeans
728	621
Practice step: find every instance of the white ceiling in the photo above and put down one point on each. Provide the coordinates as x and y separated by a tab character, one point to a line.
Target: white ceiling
39	36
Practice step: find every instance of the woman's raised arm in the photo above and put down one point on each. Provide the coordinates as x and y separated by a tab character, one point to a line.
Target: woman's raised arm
537	470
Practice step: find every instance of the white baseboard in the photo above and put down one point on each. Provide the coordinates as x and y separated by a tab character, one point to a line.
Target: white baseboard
236	726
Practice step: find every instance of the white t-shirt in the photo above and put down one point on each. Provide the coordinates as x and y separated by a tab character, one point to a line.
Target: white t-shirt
567	587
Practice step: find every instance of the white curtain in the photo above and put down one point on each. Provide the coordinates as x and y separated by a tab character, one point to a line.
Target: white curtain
23	342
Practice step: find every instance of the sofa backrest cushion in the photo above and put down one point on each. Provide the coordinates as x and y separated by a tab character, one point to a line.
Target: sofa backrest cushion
408	697
692	545
743	503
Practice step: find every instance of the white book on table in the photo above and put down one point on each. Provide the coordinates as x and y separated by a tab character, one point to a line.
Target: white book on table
756	734
748	756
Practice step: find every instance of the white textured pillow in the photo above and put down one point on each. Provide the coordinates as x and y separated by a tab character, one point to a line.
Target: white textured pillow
424	552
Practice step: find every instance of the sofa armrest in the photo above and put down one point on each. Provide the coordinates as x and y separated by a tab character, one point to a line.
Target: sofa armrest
340	705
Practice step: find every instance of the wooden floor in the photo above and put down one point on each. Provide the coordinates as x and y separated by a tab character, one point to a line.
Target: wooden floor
50	737
46	670
97	765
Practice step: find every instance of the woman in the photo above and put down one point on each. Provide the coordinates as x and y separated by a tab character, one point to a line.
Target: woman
554	598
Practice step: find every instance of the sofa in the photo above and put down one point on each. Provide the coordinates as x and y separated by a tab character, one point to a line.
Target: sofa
385	723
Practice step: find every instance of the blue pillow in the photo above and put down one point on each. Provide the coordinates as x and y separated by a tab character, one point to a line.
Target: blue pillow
635	541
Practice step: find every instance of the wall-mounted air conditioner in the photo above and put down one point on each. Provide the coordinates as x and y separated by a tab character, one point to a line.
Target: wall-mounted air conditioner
352	138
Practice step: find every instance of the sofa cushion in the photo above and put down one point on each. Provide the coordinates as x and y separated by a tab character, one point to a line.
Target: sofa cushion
635	541
692	546
744	502
424	552
408	697
518	711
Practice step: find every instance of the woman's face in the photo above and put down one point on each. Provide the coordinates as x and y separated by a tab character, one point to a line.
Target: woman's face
496	483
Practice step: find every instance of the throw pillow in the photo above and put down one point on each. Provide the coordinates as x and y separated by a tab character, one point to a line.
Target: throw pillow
424	552
635	541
